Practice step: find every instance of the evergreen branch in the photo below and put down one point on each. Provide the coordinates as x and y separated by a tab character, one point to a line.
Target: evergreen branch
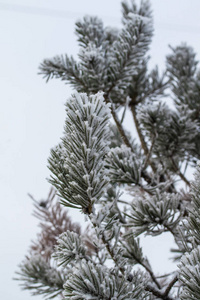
69	249
89	281
39	277
124	166
90	30
155	90
132	44
90	166
189	274
64	68
108	246
154	214
77	163
133	252
124	137
144	145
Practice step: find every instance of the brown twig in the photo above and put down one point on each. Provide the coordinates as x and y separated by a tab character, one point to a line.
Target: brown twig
149	153
141	137
121	129
157	293
181	175
162	295
108	247
143	143
125	139
170	285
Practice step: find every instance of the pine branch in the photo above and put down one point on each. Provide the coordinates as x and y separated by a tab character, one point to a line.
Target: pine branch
38	276
153	214
155	91
147	152
107	245
64	68
90	30
78	162
133	252
125	139
90	167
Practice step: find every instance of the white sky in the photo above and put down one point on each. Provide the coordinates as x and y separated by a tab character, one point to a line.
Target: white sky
32	112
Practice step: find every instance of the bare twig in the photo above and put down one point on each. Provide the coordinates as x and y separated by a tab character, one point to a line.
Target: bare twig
143	143
108	246
153	277
157	293
170	285
162	295
120	128
165	275
181	175
149	153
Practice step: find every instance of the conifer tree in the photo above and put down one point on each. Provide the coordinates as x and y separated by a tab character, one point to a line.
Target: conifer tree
98	159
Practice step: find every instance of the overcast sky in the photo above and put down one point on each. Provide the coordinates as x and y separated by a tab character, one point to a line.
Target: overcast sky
32	112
